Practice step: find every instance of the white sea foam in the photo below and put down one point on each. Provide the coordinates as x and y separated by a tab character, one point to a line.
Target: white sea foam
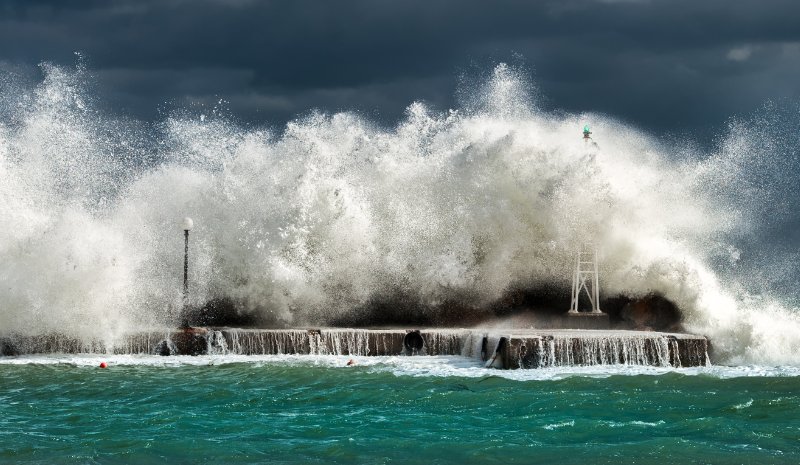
559	425
303	225
424	366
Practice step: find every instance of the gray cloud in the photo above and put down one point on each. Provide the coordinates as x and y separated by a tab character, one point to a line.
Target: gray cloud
667	65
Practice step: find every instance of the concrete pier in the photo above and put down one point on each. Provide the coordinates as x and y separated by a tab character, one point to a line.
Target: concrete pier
540	349
510	349
586	320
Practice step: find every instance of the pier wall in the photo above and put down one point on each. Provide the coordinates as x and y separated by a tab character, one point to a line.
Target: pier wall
509	349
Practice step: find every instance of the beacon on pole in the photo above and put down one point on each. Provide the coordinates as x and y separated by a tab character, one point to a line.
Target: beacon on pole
585	282
585	276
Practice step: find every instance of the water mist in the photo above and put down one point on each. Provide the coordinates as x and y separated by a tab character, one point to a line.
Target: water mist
303	224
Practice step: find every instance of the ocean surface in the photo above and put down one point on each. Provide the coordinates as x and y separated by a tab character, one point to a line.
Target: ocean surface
314	409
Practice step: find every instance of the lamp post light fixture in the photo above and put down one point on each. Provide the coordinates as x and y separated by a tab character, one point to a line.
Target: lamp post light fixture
187	224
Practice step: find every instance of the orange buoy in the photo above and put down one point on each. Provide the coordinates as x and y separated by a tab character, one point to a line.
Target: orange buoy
351	362
103	365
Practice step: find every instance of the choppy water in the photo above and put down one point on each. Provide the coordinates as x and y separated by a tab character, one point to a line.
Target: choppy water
288	409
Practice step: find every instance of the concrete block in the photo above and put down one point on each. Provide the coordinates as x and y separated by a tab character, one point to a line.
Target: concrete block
586	320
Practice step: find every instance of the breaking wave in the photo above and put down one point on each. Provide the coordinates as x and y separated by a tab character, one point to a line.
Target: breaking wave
319	220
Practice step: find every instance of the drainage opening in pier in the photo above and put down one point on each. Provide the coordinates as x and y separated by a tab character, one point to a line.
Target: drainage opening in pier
413	341
165	348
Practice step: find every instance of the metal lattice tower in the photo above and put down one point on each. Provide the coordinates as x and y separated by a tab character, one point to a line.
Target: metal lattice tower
585	279
585	276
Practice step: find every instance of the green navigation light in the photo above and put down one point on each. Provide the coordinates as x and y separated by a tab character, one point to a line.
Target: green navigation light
586	129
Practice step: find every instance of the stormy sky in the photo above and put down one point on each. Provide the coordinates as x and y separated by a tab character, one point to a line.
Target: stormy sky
676	65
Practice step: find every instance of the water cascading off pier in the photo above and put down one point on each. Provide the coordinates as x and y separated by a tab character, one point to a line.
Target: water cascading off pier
510	349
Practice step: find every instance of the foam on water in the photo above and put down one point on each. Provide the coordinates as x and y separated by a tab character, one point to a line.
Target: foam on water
332	213
428	366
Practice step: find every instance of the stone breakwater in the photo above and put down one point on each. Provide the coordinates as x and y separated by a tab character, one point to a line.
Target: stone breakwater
505	348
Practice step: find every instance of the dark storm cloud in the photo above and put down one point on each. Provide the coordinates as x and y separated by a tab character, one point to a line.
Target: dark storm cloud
662	64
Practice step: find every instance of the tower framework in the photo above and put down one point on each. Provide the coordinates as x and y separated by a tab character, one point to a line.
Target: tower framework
585	279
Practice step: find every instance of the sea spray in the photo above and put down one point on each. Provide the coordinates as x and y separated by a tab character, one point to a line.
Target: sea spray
304	224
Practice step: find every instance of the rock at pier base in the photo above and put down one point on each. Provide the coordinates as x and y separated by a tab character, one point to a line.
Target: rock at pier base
191	341
586	320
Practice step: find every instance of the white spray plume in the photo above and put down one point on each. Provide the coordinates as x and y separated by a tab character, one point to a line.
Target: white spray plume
304	225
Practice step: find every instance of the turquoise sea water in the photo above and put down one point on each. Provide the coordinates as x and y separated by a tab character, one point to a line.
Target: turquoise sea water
292	409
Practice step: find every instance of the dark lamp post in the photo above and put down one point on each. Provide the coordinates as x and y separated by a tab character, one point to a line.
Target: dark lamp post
187	226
